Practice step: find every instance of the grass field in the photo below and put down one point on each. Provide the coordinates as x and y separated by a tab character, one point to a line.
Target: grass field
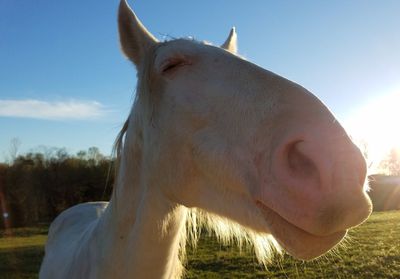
371	251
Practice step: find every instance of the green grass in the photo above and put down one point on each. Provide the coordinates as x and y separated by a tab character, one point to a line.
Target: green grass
370	251
21	253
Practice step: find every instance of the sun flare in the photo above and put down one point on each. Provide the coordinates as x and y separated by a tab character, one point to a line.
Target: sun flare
375	127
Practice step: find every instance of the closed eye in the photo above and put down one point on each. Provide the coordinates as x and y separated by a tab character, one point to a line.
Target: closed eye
173	64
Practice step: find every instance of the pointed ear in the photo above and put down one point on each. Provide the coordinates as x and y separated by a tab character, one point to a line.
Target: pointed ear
133	36
231	42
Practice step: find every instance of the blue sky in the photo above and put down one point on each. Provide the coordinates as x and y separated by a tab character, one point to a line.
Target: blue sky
64	82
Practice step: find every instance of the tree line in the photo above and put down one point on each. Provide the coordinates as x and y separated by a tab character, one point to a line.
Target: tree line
37	186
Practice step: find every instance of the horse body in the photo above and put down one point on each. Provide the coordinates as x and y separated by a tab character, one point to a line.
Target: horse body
68	234
216	140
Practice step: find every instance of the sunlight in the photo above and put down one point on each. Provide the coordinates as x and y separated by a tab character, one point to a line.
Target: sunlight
376	125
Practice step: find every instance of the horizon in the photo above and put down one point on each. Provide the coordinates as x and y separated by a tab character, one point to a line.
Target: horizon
65	82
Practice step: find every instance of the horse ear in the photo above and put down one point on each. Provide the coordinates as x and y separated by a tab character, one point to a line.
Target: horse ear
133	36
231	42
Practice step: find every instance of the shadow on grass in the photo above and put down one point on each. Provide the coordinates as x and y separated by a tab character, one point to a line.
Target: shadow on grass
20	263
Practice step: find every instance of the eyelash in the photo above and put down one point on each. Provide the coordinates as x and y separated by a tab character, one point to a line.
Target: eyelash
172	64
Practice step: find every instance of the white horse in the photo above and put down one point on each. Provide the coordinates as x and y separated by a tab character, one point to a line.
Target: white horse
212	140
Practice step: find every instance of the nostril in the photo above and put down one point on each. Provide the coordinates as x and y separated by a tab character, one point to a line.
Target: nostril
299	163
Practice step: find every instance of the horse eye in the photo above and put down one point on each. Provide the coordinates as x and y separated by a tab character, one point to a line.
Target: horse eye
169	67
173	64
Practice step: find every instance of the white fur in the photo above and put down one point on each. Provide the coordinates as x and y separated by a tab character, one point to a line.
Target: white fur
197	151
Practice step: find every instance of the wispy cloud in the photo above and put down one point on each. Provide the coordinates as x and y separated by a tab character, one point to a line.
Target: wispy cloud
59	110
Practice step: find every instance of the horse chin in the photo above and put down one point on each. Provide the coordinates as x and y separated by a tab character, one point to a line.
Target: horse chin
297	242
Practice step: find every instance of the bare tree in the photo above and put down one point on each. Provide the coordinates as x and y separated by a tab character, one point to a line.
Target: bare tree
94	155
391	164
15	143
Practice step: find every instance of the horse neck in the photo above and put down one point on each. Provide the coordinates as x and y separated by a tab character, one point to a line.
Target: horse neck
141	228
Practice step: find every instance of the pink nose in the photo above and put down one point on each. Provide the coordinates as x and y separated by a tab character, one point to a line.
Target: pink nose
322	179
315	164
